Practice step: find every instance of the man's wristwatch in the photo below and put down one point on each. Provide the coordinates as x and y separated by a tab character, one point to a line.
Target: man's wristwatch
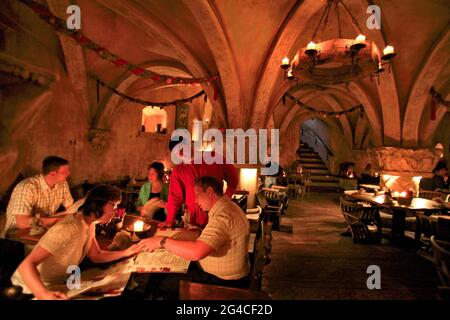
162	243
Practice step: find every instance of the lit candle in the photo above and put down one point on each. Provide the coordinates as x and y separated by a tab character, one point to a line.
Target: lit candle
285	62
290	75
396	194
311	46
360	39
388	50
403	194
138	226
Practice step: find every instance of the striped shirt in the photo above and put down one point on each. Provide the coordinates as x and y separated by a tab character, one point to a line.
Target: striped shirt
33	196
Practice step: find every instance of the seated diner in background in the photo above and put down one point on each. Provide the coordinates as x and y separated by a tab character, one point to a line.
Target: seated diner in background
35	200
153	194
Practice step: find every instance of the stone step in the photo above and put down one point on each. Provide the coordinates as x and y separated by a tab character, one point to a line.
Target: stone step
314	166
318	171
309	155
306	150
324	178
311	160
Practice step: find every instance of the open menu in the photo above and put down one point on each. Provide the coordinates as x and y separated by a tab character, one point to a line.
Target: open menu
160	261
97	282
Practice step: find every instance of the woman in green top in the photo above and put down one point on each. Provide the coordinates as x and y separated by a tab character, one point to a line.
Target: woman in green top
154	188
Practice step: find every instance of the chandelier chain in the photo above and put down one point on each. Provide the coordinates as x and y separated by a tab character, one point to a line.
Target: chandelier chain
320	21
354	20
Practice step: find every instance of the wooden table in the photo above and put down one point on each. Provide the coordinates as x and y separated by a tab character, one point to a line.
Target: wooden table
398	211
370	186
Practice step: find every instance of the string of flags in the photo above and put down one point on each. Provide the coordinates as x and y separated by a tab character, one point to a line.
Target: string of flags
336	114
60	26
436	99
151	103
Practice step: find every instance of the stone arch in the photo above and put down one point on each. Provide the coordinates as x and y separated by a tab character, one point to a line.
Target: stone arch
151	23
436	60
214	31
270	71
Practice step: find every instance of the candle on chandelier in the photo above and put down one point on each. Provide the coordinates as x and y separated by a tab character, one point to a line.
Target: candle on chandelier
360	38
388	50
290	75
311	46
285	62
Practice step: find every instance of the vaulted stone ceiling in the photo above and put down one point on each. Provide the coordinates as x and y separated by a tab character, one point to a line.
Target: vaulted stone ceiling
244	42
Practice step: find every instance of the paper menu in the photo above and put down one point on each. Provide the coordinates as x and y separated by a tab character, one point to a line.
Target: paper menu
160	261
111	281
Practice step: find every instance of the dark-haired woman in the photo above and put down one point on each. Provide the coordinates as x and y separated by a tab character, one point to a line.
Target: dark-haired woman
155	188
67	243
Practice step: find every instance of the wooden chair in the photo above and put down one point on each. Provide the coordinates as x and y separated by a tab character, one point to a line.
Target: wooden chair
243	200
430	195
262	250
441	256
271	213
364	222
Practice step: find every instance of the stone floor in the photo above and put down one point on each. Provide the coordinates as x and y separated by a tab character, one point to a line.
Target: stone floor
316	262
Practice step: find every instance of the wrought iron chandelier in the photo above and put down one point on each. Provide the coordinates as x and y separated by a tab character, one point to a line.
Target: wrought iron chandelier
337	60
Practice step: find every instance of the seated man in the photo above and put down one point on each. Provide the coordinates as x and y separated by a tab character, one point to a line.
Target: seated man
440	178
222	248
67	243
39	196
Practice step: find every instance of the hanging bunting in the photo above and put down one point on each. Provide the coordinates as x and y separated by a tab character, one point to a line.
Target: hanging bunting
436	99
150	103
324	114
433	109
60	26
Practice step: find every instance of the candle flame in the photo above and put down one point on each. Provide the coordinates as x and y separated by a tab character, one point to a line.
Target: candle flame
138	226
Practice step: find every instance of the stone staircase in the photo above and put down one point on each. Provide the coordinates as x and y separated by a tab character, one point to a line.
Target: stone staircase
321	180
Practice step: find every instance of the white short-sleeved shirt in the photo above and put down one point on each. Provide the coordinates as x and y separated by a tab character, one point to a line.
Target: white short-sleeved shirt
68	241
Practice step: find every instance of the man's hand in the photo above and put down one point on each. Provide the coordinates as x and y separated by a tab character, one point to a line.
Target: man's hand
52	295
150	244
